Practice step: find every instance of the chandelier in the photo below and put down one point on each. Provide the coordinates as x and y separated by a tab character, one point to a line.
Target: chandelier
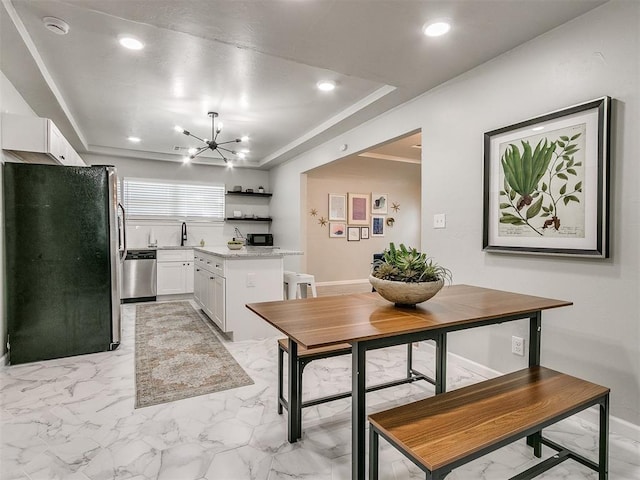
212	144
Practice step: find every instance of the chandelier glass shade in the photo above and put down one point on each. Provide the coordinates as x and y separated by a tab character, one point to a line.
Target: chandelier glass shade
213	144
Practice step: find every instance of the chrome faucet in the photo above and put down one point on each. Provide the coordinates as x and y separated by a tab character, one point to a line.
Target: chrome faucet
184	234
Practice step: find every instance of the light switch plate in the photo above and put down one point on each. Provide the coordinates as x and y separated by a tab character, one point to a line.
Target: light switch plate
251	279
439	220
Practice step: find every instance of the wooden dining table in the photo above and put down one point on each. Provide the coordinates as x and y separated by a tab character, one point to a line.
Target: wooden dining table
368	322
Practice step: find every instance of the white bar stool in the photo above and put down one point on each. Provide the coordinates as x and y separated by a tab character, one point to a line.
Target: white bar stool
296	284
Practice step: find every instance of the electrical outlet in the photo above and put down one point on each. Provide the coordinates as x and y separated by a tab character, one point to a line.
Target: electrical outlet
251	279
439	220
517	345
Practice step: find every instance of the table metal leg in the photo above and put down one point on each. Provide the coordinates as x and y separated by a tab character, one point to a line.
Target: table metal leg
603	454
441	363
358	411
293	422
535	339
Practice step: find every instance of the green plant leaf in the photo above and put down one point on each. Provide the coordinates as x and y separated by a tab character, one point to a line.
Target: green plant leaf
578	186
559	166
571	171
551	207
545	214
563	189
563	176
544	187
570	198
502	192
504	205
577	164
564	137
534	209
575	136
512	194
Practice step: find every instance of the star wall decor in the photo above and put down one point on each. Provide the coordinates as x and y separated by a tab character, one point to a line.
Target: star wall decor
322	221
313	212
395	206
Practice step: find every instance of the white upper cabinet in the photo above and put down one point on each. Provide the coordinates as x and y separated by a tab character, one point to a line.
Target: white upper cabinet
37	140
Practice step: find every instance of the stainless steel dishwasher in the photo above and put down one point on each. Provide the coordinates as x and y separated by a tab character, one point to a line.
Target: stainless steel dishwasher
139	276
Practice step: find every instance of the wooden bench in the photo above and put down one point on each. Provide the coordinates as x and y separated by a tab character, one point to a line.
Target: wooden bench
305	356
443	432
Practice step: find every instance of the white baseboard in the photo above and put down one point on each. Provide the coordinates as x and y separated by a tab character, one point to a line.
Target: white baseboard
591	415
4	360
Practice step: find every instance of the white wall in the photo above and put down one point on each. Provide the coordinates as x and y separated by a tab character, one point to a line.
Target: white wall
597	54
168	232
10	102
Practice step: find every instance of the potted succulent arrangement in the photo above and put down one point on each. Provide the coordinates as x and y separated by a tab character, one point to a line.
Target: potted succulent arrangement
406	277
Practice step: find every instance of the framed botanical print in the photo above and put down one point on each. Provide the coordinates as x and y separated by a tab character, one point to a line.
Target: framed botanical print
546	183
358	209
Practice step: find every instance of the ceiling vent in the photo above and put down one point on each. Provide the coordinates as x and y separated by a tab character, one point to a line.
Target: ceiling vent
57	26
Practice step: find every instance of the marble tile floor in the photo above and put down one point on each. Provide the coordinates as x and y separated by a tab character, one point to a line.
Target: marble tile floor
74	419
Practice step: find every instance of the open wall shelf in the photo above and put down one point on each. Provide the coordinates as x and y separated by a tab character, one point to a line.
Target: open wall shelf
248	194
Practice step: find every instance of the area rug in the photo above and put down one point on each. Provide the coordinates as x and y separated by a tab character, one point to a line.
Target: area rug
178	356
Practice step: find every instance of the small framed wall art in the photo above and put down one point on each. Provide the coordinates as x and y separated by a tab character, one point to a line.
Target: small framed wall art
353	234
337	229
377	225
337	207
546	183
364	233
358	209
379	203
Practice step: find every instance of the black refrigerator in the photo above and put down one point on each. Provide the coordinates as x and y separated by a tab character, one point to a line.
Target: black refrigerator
64	241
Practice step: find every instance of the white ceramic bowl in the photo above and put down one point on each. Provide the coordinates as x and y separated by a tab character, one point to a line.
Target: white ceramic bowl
405	293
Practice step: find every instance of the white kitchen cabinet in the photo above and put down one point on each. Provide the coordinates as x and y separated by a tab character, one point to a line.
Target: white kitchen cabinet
175	272
37	140
219	302
225	283
209	288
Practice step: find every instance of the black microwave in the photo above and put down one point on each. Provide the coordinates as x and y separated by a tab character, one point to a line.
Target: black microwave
260	239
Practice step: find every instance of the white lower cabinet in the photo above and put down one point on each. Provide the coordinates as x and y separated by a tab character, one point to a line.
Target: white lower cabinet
175	272
224	285
209	288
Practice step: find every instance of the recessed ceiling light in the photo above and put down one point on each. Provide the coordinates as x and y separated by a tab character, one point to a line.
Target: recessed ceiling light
134	139
185	159
56	25
326	85
131	43
244	138
436	29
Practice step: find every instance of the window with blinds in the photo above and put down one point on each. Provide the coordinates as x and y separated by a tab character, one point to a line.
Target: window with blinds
165	199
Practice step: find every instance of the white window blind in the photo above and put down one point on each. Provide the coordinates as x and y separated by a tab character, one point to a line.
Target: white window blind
165	199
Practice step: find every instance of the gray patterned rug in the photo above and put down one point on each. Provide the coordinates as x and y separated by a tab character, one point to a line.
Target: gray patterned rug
178	356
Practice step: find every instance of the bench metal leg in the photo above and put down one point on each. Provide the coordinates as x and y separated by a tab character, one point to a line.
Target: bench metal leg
409	359
373	453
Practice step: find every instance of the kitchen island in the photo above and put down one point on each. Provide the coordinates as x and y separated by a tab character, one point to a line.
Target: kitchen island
226	280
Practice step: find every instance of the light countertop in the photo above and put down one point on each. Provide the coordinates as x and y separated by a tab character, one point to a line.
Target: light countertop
247	252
